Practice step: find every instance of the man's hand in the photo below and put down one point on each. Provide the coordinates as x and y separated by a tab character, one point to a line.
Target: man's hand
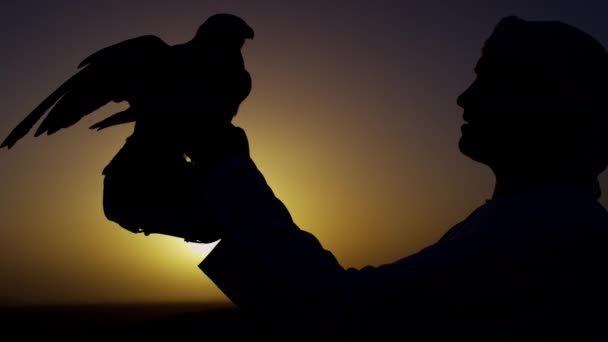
152	189
211	146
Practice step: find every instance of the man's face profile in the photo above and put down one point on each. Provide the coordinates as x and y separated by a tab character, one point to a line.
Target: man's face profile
493	110
537	103
513	111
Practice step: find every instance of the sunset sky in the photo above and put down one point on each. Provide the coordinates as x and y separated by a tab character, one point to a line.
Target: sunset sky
352	119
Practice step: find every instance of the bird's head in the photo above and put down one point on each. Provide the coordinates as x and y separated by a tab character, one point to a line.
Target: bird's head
224	28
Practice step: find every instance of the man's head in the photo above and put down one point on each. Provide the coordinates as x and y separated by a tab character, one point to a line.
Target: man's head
539	102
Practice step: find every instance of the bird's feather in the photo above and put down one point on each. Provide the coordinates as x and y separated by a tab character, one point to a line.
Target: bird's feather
133	48
171	88
106	76
128	115
30	120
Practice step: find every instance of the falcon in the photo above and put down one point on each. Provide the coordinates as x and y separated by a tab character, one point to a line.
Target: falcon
173	91
181	97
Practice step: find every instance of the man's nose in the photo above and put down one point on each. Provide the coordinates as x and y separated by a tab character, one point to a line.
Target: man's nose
462	99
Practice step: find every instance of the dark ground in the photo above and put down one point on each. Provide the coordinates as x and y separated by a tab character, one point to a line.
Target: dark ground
119	321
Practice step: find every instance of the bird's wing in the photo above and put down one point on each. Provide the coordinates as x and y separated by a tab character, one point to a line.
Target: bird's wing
106	75
128	115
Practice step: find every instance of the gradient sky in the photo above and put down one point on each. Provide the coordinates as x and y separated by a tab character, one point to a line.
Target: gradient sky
352	119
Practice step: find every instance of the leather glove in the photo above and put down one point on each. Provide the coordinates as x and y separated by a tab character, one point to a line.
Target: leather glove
153	188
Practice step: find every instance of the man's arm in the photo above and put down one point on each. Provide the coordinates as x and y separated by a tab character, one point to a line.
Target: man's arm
493	274
266	265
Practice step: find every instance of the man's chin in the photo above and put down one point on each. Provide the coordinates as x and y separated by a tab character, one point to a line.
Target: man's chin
473	150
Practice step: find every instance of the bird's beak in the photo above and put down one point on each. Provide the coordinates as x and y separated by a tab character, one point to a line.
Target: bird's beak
249	33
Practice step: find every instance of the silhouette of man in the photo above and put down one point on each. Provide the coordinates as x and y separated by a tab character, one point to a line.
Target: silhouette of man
526	265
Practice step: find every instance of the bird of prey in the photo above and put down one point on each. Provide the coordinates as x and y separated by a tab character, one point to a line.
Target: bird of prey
172	90
176	94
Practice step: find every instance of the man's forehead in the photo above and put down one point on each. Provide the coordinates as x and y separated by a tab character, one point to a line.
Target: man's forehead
500	60
511	44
